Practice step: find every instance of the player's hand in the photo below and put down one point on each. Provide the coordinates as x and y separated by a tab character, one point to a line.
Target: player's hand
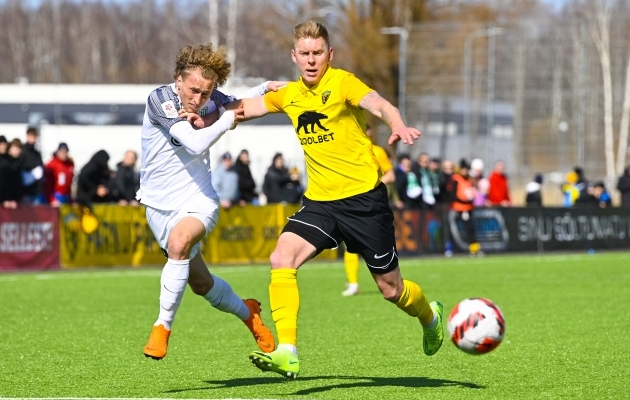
273	86
194	119
239	115
406	134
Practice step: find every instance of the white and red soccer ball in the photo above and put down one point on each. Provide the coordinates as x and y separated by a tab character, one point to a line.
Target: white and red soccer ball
476	326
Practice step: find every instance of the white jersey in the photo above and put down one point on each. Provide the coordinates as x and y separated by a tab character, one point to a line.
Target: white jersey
176	158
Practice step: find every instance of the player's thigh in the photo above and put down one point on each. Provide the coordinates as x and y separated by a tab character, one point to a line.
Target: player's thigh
291	251
366	223
308	232
192	223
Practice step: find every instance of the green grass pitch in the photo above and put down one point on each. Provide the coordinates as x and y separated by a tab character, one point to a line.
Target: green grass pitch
81	334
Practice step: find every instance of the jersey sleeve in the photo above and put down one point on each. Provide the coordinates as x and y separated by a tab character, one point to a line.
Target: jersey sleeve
275	100
163	108
353	90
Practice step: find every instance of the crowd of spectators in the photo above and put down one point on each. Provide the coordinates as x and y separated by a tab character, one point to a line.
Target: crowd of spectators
413	184
25	179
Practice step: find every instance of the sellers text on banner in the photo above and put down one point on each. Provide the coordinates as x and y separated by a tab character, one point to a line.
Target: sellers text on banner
29	238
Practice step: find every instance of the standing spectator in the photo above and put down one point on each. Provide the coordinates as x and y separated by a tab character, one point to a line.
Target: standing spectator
533	191
623	185
276	179
246	184
32	169
463	193
499	194
434	174
225	182
582	186
444	181
11	189
59	176
599	195
570	189
293	191
94	180
126	181
409	189
4	145
421	169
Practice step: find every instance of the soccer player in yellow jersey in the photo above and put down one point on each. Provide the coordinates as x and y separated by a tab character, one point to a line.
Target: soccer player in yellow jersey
351	260
345	199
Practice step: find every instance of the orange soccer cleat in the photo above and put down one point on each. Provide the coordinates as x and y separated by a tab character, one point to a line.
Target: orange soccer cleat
158	342
254	323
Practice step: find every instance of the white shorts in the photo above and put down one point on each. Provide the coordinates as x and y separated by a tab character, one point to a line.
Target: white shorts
162	222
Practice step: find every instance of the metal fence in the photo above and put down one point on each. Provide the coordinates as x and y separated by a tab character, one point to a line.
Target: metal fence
528	92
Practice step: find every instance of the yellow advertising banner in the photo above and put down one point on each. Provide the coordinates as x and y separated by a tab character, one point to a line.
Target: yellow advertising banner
122	236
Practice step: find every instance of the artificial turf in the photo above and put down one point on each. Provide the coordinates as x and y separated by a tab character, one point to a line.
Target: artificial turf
81	334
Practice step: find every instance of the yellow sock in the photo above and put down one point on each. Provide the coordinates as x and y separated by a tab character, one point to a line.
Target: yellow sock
414	302
284	299
351	262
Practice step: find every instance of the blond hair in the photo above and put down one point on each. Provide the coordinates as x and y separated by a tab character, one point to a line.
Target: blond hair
310	29
212	63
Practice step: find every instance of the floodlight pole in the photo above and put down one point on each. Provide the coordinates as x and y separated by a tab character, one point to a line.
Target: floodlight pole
402	67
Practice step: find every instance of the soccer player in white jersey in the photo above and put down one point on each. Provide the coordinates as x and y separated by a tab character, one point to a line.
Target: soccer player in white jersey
175	186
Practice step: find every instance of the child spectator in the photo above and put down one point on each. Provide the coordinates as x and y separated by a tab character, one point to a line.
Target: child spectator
533	191
59	175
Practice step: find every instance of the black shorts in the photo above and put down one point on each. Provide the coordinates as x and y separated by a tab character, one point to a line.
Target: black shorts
365	223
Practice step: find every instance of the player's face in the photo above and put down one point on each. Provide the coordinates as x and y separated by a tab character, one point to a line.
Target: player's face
194	90
312	57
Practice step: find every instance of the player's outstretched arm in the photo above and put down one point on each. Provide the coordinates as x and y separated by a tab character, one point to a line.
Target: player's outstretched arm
377	105
197	141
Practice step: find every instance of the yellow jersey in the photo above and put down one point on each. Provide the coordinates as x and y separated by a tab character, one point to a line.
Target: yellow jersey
382	158
330	126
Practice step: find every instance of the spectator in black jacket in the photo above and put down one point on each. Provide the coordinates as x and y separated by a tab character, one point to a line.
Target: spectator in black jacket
445	177
246	184
32	169
94	180
4	145
407	183
623	185
11	188
126	182
533	190
276	179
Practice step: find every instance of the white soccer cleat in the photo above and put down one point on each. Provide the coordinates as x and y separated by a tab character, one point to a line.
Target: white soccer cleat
352	290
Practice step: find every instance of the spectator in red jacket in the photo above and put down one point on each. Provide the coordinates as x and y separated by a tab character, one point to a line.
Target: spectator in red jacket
499	194
59	174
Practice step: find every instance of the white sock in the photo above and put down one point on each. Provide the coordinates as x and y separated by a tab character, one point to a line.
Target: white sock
172	287
223	298
353	286
290	347
432	323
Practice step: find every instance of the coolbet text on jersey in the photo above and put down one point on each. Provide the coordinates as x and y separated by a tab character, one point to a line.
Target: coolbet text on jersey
340	162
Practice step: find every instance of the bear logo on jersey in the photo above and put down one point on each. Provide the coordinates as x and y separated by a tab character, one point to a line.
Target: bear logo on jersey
311	118
325	96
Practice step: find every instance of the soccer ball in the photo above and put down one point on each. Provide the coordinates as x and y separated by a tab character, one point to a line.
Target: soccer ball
476	326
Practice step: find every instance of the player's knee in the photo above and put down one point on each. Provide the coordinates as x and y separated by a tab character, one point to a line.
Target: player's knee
391	293
178	249
280	259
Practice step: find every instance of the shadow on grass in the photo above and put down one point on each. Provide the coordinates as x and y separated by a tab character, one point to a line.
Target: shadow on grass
359	382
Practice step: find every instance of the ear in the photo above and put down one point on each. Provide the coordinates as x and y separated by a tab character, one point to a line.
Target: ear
330	54
293	57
